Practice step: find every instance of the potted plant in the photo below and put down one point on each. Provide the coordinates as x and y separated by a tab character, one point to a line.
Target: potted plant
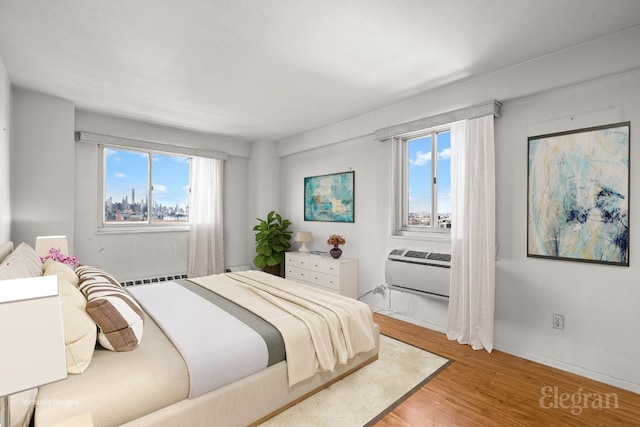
272	241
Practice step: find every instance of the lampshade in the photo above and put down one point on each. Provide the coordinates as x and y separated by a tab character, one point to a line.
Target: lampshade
33	348
44	243
303	237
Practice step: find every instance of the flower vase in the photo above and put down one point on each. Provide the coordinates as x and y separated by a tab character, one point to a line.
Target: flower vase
335	251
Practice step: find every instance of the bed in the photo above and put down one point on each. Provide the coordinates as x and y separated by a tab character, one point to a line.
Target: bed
157	379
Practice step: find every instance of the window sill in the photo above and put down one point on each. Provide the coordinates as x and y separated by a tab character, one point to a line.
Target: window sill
146	229
433	236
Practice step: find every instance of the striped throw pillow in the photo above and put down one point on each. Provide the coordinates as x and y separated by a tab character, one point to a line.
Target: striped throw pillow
119	318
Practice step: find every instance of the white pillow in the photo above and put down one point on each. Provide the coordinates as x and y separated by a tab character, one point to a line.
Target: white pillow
22	263
80	331
63	271
5	249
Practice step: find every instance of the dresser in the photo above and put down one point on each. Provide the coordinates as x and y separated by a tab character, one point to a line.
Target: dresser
322	271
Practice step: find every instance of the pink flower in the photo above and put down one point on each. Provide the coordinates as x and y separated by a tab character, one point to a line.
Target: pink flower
56	255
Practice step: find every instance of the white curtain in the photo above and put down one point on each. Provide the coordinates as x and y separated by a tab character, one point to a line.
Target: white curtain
472	295
206	251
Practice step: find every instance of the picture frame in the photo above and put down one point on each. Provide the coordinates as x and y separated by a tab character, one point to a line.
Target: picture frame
578	195
329	198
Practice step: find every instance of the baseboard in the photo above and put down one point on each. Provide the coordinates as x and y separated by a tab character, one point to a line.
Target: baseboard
404	318
567	367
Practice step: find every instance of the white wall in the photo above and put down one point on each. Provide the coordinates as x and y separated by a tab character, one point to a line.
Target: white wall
263	195
5	119
600	303
594	83
151	254
42	166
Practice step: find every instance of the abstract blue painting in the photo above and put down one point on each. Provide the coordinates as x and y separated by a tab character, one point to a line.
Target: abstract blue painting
329	197
578	195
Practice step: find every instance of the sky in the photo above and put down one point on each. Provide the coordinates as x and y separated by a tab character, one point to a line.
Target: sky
125	170
419	152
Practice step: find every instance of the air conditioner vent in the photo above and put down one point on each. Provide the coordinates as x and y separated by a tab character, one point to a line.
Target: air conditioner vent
439	257
416	254
419	257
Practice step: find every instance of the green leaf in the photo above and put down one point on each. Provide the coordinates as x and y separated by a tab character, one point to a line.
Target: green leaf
260	261
272	239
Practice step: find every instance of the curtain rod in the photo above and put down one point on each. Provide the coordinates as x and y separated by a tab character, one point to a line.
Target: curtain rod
488	108
96	138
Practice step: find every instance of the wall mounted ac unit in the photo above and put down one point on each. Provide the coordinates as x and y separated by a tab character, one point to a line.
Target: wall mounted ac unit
421	273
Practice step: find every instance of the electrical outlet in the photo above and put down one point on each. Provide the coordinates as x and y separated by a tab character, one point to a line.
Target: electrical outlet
558	321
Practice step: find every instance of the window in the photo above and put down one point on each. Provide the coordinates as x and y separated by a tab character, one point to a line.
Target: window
144	188
424	182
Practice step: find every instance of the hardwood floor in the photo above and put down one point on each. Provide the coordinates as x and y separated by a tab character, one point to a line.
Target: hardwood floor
497	389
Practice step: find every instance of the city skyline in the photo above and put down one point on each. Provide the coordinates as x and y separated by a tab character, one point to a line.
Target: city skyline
127	181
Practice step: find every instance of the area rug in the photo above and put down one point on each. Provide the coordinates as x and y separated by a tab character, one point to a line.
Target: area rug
366	395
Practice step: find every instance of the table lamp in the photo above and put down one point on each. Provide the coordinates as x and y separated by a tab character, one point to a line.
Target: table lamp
33	348
303	237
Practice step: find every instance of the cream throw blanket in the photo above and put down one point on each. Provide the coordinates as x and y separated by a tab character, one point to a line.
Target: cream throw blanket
319	328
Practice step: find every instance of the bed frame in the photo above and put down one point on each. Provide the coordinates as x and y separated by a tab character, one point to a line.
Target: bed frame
249	401
252	400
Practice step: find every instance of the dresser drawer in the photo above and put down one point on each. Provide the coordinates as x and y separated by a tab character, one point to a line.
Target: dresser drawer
296	260
325	266
327	281
296	273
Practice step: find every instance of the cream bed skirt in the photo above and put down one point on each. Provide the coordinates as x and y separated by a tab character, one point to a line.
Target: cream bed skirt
252	399
149	387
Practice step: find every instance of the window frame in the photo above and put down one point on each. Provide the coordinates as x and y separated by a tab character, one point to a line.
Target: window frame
401	187
137	226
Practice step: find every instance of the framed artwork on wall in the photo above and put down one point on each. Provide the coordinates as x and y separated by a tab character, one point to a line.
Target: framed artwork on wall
329	197
578	195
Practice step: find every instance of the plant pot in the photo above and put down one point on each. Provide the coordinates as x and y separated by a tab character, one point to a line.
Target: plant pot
272	269
335	252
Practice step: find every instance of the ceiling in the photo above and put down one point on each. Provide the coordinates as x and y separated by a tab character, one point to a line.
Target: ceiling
269	69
